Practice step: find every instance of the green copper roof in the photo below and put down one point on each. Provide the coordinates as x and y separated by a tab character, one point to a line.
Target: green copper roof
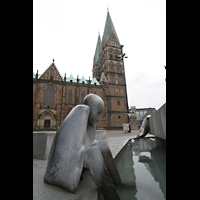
83	80
94	80
34	75
98	50
132	110
109	29
71	78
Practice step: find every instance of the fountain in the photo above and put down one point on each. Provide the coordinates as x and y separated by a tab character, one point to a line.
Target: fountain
75	149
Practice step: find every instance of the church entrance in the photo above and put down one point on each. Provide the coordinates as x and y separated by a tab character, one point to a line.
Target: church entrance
47	119
47	123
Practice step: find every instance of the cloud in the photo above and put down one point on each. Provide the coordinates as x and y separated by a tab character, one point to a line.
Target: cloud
146	90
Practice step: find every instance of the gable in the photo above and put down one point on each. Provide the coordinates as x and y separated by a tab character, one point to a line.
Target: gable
71	78
51	72
94	81
83	80
103	78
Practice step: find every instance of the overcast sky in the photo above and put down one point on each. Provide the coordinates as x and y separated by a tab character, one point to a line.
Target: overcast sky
68	30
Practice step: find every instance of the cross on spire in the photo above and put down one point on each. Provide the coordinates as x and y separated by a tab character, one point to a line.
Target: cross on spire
53	60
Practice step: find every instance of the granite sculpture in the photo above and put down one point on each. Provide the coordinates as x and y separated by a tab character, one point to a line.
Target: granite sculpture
74	148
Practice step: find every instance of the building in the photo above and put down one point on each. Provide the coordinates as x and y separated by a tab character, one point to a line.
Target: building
54	96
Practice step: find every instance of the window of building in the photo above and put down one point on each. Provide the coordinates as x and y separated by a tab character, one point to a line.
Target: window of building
82	96
49	97
118	103
70	97
111	56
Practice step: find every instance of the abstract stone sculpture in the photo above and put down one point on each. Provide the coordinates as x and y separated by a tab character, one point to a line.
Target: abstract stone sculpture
75	148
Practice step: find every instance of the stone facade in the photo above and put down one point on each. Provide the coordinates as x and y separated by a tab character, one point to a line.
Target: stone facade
62	103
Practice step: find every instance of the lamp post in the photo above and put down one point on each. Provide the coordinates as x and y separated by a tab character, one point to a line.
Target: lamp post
122	56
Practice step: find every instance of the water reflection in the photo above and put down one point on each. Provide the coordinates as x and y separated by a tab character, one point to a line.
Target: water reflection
149	158
142	166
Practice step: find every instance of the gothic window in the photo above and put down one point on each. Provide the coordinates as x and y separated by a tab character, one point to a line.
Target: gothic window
111	56
82	96
113	79
70	97
116	57
118	103
111	68
49	97
117	68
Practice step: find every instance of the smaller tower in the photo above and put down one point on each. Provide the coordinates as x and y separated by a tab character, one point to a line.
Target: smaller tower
96	62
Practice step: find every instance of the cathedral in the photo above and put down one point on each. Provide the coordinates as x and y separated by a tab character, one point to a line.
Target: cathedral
54	96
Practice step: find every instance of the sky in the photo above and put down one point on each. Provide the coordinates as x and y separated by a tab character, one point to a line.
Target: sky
67	31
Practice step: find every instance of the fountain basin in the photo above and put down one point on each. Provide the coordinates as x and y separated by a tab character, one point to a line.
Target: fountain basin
142	167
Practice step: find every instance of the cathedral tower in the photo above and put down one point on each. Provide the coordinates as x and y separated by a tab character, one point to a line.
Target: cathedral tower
108	70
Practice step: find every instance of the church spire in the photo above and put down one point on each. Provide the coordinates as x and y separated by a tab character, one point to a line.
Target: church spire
98	50
109	29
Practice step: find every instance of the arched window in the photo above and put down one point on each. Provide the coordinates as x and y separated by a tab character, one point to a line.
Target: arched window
118	103
82	96
70	97
49	97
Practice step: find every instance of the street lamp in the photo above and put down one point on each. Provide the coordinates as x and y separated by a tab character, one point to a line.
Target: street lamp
122	56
